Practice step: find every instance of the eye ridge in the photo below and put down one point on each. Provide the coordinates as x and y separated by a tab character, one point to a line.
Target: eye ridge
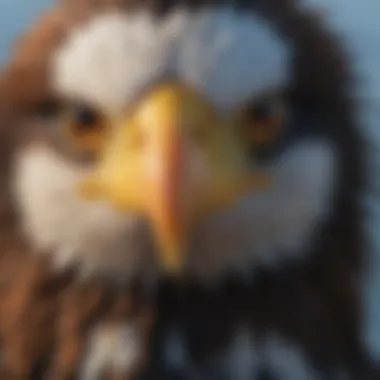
48	107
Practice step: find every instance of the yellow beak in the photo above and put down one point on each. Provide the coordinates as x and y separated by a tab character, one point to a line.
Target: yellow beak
172	160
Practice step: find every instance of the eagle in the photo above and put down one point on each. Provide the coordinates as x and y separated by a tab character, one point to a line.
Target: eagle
180	198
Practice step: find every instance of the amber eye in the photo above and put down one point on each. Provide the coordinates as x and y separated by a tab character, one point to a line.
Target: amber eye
263	121
85	127
84	117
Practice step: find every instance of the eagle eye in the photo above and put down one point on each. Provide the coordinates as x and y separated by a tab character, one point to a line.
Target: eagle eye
262	121
263	110
84	127
84	117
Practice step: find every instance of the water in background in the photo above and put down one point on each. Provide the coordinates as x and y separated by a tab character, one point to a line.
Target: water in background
359	23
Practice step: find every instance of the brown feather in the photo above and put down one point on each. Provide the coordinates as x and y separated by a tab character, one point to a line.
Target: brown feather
45	318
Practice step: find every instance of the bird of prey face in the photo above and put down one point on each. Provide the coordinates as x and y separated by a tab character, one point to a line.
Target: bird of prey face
203	140
146	161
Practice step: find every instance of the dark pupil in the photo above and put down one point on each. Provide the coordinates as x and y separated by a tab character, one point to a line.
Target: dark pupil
85	117
262	110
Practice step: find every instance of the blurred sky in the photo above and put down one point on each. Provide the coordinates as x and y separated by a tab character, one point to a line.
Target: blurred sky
14	15
359	22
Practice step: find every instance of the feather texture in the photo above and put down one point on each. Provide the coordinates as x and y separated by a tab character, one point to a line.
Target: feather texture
46	318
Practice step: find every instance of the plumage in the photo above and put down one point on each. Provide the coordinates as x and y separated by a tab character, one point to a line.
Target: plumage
270	287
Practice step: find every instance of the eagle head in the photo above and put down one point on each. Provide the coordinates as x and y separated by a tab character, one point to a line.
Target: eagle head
198	140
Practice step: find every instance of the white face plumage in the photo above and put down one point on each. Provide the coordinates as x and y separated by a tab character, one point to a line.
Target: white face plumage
226	56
